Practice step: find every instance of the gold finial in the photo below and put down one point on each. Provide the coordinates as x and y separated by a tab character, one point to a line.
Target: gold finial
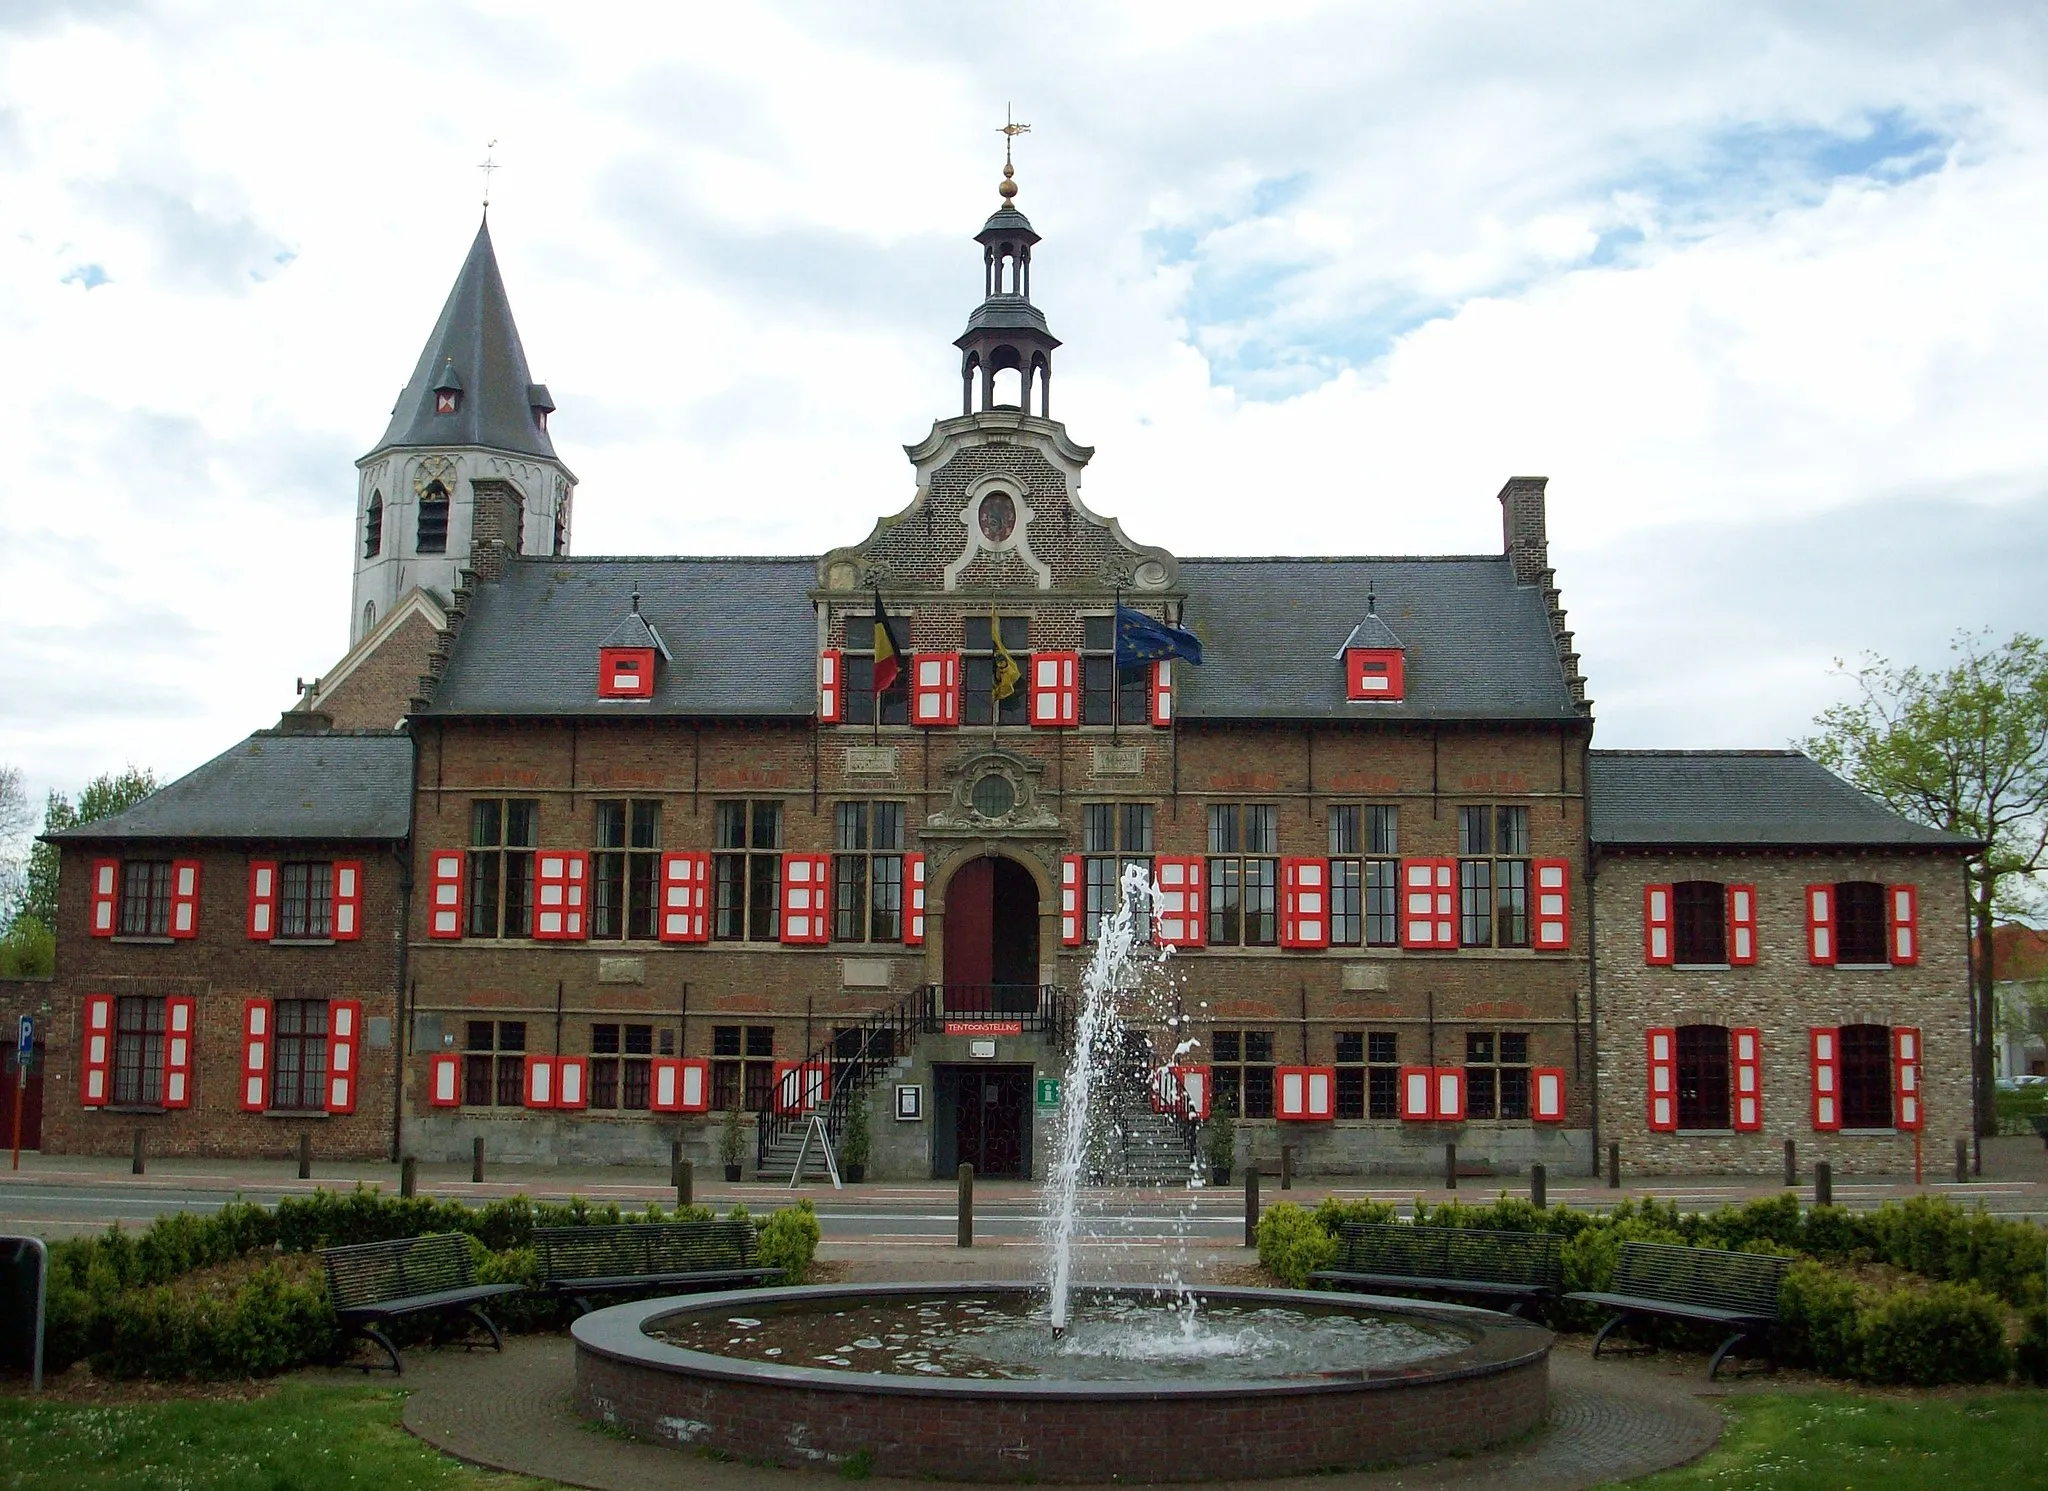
1010	130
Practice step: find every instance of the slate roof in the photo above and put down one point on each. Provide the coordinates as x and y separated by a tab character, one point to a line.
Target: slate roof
1478	646
1007	222
347	785
1731	799
1372	632
477	341
741	635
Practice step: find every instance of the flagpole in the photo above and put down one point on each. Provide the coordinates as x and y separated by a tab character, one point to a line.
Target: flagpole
1116	672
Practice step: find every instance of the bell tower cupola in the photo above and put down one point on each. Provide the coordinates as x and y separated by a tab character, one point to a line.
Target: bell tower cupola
1006	351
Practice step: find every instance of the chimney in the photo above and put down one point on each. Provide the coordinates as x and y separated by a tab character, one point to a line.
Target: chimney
1521	523
496	526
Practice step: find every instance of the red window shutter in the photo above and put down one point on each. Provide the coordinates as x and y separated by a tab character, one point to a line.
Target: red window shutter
262	899
1162	694
802	1086
1072	920
106	896
444	1080
1448	1083
1553	918
561	895
1825	1064
444	893
1908	1112
806	898
572	1087
685	896
1180	921
1415	1094
540	1082
1546	1094
1304	903
184	898
1190	1091
913	900
1820	924
344	1053
180	1020
1659	947
681	1086
1746	1076
831	686
96	1049
1055	690
1663	1075
1429	903
935	689
1741	926
1902	902
348	900
255	1055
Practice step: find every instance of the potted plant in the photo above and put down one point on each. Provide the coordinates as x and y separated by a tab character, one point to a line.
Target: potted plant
854	1143
1221	1137
732	1144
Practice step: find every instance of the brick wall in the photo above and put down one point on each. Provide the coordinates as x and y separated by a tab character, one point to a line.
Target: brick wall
1783	995
222	968
374	694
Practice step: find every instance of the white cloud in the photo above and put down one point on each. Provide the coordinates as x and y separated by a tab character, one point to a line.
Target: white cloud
1327	274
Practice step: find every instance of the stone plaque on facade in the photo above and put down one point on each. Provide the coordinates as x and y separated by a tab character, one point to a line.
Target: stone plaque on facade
1118	761
622	970
1365	975
871	761
864	973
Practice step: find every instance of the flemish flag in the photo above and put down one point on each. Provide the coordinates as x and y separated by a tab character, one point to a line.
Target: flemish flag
1006	673
888	652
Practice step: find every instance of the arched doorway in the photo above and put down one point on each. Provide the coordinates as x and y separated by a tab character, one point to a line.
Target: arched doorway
991	934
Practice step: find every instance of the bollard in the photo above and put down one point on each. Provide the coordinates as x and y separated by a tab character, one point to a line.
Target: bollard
686	1183
1287	1167
1450	1167
1962	1161
1791	1163
408	1177
305	1154
1823	1184
966	1206
675	1162
1539	1187
136	1168
476	1160
1614	1167
1251	1204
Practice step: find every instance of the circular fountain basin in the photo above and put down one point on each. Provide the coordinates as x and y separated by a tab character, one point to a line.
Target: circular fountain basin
964	1382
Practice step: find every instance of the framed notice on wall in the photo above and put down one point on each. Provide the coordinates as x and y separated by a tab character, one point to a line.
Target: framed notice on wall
909	1103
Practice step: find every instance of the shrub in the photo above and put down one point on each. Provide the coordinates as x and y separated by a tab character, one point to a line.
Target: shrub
789	1241
270	1324
1949	1333
1820	1320
1332	1214
2031	1357
1292	1245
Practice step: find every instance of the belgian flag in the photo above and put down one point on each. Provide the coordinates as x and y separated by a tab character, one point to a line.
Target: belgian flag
888	652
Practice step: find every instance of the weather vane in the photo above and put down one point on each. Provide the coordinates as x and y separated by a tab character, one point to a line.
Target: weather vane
1009	131
488	165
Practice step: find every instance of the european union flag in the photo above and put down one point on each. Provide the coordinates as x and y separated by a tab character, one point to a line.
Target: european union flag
1140	639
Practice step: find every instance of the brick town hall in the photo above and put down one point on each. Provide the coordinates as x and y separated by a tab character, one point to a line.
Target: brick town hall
575	853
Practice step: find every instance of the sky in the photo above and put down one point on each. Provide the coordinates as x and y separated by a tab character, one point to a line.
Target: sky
1759	288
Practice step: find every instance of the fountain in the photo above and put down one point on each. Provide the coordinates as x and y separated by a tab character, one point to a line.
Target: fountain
1068	1381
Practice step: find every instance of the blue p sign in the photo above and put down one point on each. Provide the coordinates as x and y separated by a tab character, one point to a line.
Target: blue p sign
25	1043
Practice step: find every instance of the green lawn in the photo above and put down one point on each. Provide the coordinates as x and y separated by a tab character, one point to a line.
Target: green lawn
300	1438
1853	1442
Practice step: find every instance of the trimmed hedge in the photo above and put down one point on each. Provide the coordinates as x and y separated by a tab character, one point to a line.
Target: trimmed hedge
115	1300
1949	1332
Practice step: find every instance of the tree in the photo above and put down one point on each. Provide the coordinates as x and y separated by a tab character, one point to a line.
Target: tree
14	823
104	796
1963	748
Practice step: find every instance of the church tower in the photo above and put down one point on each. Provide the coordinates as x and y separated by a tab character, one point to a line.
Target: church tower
470	422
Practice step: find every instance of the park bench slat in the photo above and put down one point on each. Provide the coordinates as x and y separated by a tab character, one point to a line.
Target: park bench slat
1400	1257
1711	1285
432	1275
586	1261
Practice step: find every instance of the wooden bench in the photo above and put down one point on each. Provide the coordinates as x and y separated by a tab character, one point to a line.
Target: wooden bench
1736	1291
370	1283
584	1262
1395	1258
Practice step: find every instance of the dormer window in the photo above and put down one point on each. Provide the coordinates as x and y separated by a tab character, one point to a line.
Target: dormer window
625	673
541	403
447	400
1372	673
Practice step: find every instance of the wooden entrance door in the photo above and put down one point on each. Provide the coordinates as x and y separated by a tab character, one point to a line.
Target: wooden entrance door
31	1101
992	938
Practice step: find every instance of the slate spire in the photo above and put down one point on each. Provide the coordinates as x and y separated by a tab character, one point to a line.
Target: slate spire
473	355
